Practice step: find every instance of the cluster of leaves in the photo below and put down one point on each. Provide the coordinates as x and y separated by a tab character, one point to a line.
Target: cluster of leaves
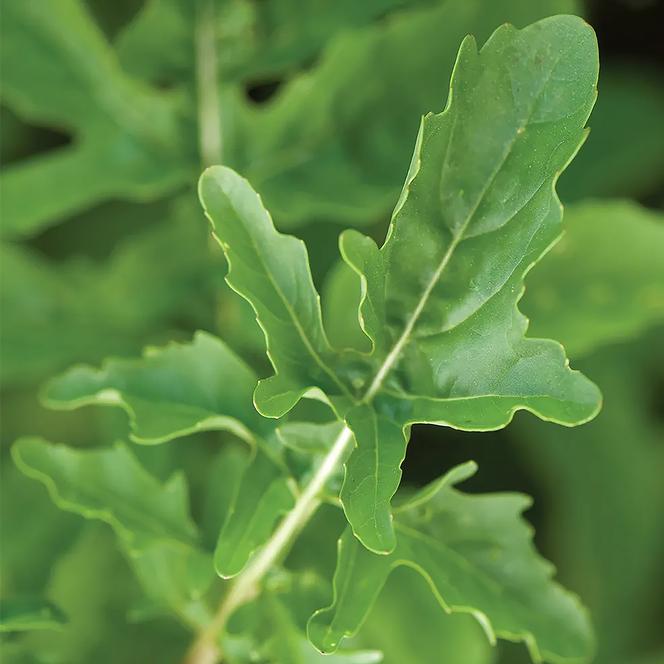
425	329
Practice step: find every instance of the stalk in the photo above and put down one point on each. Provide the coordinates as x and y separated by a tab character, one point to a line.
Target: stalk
205	649
207	87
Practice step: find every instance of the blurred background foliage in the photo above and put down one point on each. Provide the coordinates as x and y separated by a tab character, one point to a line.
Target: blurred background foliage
105	250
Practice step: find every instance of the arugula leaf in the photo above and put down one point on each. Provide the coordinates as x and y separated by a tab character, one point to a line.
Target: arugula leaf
129	139
476	553
151	520
171	392
184	388
314	140
477	210
27	614
610	294
271	271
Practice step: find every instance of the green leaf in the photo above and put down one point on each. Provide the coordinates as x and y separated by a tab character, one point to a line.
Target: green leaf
476	553
264	494
406	623
271	271
438	301
171	392
347	125
151	520
589	299
59	71
184	388
28	614
77	310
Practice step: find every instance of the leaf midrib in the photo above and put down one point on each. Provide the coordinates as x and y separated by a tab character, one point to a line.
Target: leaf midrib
394	354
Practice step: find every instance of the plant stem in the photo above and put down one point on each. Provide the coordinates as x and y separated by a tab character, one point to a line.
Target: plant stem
209	108
205	649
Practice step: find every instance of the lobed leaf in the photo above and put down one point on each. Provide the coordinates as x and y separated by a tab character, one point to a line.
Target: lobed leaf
184	388
438	300
271	271
476	554
171	392
151	520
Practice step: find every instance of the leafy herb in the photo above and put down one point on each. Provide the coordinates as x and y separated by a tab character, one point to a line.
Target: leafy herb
425	328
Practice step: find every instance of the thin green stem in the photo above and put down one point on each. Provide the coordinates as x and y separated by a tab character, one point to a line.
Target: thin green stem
205	649
209	108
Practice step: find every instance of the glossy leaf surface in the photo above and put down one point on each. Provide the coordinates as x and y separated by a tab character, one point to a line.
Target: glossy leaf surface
439	299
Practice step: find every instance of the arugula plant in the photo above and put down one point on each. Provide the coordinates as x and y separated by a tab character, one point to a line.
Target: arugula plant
441	341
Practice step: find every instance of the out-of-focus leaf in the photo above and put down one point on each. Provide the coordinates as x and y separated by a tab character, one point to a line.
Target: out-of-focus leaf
263	495
625	153
94	586
605	481
253	40
171	392
30	547
28	614
109	485
406	623
58	70
348	125
58	313
604	281
150	519
439	299
475	551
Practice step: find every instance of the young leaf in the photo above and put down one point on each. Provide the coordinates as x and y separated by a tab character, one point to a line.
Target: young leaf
171	392
475	551
271	271
151	520
439	298
264	494
23	615
609	294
